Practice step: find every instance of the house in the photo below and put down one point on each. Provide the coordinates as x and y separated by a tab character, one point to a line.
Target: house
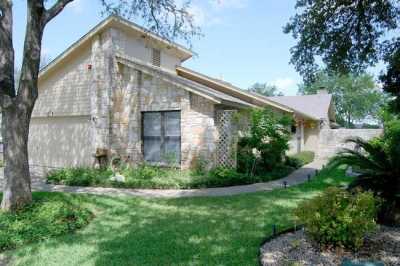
121	91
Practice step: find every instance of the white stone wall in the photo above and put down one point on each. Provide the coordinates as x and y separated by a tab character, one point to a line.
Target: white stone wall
333	140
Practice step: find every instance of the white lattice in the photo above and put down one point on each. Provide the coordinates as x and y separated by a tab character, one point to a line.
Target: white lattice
227	142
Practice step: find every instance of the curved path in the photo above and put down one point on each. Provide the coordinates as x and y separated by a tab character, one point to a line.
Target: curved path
297	177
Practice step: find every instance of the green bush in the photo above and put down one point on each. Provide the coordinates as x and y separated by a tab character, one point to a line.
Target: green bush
46	217
339	218
222	176
79	176
377	163
299	159
147	176
266	143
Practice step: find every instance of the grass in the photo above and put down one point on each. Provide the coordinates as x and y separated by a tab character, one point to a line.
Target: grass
145	176
185	231
304	157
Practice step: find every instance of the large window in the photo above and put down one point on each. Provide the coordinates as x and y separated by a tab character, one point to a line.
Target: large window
162	137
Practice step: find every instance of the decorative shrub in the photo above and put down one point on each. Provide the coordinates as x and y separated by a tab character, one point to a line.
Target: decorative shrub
147	176
378	164
79	176
266	142
48	216
339	218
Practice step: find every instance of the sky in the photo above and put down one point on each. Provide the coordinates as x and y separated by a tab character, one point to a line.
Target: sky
242	40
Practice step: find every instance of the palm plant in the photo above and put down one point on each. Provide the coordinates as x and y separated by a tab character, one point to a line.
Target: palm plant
377	163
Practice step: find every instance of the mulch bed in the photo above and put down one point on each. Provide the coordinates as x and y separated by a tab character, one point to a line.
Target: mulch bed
295	249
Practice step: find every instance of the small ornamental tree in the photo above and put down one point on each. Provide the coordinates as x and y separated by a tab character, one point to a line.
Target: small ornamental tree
268	138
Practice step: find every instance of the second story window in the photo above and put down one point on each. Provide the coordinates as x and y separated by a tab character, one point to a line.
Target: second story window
156	57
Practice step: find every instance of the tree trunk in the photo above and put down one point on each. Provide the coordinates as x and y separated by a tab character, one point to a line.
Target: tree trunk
17	106
17	187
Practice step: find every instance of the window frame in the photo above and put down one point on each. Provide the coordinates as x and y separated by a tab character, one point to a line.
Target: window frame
162	137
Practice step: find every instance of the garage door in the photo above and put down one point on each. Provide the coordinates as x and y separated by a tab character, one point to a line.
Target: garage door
60	142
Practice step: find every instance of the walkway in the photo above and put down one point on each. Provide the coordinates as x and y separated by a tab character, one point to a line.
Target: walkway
297	177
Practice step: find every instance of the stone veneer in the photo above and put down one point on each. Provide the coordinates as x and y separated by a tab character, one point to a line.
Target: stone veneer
139	92
111	96
333	140
120	94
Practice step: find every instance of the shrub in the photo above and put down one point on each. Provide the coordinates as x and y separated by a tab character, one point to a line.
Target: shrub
79	176
46	217
339	218
147	176
266	142
378	164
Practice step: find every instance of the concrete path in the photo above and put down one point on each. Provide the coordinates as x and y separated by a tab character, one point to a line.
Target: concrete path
297	177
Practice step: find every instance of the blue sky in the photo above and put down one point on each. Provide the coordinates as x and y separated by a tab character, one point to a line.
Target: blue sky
243	42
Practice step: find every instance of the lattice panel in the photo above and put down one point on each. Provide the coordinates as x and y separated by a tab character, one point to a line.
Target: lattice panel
227	142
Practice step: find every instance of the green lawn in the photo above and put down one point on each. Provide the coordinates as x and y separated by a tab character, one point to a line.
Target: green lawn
186	231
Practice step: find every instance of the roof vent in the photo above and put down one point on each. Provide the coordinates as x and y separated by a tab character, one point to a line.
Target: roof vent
156	57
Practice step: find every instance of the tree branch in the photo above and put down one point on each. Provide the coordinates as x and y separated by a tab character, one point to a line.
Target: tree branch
6	50
56	9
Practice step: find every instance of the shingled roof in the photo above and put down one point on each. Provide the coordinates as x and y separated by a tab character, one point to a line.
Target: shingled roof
315	105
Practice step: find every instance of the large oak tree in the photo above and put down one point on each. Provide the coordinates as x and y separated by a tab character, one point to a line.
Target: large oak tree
164	17
347	36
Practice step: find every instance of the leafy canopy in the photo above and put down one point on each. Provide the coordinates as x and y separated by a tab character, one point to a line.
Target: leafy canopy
347	37
356	97
169	18
265	89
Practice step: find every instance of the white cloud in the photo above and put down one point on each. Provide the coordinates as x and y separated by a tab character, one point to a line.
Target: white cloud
220	4
76	6
287	86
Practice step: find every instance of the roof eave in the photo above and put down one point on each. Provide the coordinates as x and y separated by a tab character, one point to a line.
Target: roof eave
236	90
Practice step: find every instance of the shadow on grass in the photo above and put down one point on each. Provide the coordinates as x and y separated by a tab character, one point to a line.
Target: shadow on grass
187	231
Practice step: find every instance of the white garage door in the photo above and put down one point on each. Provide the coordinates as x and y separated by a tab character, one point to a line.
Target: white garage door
60	142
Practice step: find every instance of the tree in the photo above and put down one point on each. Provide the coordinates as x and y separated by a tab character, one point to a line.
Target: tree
391	79
265	89
356	97
44	61
346	36
162	16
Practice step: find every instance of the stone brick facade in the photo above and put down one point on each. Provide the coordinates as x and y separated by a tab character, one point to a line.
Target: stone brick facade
109	96
139	92
333	140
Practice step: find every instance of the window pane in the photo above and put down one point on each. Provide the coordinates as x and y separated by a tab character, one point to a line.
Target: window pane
152	124
152	152
172	150
172	124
